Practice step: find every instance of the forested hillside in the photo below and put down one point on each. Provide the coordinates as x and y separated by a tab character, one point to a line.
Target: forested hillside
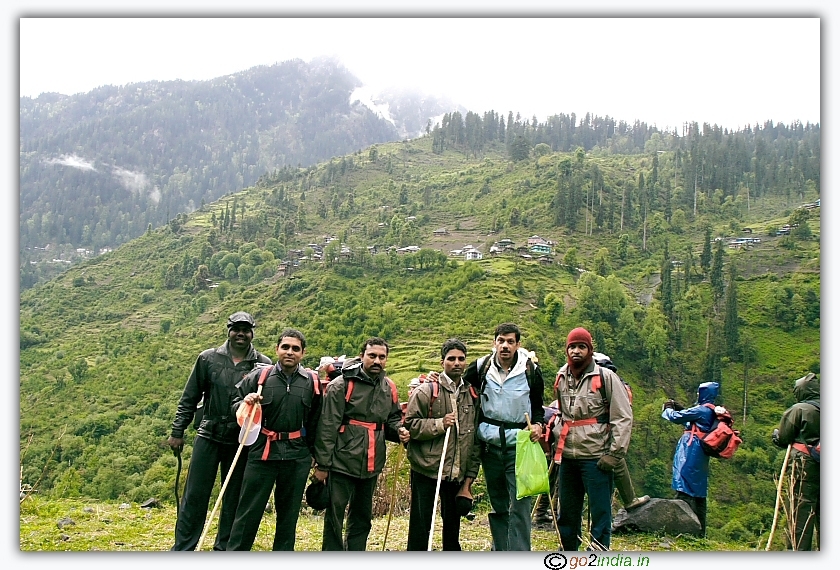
107	346
97	168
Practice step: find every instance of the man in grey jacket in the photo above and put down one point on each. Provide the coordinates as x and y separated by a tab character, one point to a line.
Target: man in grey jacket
435	406
592	439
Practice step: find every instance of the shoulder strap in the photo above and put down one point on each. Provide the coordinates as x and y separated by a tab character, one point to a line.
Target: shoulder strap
482	373
395	395
264	374
813	403
348	389
435	387
316	381
529	372
601	387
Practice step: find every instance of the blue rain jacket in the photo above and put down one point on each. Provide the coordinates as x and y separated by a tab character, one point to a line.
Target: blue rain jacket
691	464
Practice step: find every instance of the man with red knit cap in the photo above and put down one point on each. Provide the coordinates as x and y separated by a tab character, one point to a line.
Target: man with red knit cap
592	439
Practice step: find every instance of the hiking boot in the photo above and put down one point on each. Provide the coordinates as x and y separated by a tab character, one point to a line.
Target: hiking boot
637	502
543	523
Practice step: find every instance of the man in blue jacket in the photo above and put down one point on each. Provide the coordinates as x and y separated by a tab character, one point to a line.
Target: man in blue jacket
691	464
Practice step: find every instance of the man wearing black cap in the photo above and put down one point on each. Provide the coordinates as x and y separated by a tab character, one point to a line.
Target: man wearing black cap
447	403
213	379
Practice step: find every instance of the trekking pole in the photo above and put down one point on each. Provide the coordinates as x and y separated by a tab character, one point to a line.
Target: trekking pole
778	499
550	506
437	487
177	452
230	471
400	457
536	502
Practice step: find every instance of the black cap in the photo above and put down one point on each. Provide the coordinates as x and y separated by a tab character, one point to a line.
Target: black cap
317	496
241	317
463	505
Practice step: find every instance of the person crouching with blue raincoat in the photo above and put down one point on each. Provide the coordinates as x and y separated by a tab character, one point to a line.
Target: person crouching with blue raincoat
691	464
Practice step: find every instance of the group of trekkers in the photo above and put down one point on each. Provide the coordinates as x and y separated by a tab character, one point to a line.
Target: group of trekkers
296	428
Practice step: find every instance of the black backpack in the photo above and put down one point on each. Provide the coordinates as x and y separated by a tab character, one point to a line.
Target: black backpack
530	366
813	450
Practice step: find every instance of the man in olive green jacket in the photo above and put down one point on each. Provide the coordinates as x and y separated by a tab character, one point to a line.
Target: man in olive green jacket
446	403
800	428
360	410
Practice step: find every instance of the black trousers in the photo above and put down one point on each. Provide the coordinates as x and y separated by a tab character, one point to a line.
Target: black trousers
806	499
698	505
420	516
207	458
288	478
358	494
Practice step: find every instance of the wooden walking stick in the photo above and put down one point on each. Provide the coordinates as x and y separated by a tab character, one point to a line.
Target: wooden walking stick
243	437
400	457
437	487
778	499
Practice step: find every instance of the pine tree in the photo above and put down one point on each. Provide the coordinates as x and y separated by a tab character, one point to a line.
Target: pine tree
667	293
730	318
716	277
706	256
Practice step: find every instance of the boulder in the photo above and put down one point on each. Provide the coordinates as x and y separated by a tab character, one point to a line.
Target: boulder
150	503
672	516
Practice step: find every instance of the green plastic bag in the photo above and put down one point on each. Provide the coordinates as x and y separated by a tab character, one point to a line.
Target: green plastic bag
531	466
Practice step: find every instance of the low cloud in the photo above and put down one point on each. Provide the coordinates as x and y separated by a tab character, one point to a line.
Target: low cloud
73	161
137	182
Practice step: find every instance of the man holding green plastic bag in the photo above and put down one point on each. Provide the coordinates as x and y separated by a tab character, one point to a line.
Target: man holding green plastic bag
531	469
509	385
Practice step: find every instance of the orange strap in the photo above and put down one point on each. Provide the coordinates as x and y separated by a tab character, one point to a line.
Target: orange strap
372	429
801	447
564	431
274	436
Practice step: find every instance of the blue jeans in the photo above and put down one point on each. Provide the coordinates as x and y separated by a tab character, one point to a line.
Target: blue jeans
579	477
510	520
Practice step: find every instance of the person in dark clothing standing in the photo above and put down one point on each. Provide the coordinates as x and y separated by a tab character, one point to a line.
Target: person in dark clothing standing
281	456
800	428
445	403
213	378
361	409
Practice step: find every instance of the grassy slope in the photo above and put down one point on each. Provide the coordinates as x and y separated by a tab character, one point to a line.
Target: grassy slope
136	371
107	527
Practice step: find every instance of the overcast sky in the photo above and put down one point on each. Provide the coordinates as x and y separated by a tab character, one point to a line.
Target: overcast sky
664	71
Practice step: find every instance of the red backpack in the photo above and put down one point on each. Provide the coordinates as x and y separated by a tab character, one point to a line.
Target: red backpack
721	441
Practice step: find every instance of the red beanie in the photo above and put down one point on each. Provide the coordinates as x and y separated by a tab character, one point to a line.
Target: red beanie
579	334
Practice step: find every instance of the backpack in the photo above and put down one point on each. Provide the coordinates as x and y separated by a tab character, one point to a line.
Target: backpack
485	366
721	441
436	391
603	361
813	450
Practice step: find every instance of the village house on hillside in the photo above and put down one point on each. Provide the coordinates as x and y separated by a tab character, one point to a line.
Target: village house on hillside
471	253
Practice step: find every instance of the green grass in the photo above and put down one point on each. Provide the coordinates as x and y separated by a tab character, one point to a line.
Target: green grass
104	526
